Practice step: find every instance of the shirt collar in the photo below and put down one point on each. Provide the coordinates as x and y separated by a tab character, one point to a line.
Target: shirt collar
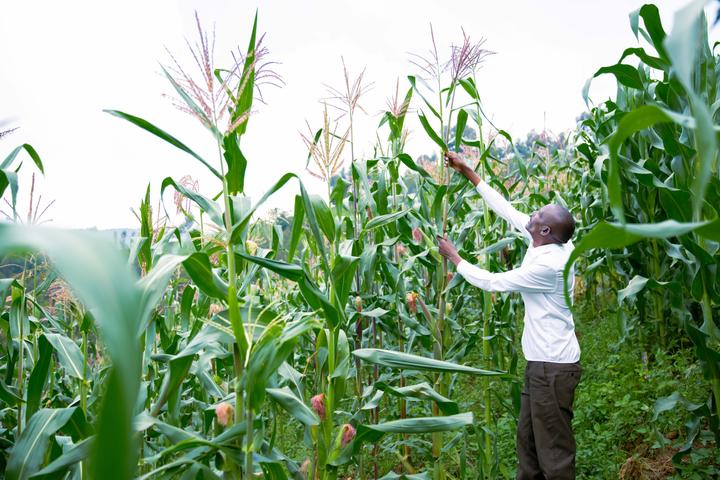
548	247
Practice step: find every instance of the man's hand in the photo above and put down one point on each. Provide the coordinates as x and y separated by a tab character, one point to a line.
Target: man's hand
454	161
448	250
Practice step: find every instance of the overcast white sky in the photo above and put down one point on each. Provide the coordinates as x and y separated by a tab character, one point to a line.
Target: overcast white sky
63	62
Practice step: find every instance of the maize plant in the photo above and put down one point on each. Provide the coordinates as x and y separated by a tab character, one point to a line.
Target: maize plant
654	150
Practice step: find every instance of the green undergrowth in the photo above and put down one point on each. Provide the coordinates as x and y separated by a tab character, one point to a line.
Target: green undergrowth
614	407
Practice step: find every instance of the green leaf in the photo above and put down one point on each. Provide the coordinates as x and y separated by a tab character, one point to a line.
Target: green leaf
179	366
410	163
614	235
406	361
373	433
145	125
625	75
293	405
246	87
374	313
153	284
421	391
309	290
186	301
205	278
683	45
78	427
382	220
207	205
460	128
423	425
636	285
684	42
8	394
174	376
497	246
9	178
413	84
651	17
28	454
707	153
38	378
431	133
649	60
396	123
274	347
101	278
30	151
236	162
61	464
416	476
297	227
342	274
324	217
670	402
468	85
240	227
316	138
68	353
711	230
636	120
144	255
315	228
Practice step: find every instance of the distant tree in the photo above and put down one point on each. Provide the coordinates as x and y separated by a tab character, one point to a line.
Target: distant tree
469	133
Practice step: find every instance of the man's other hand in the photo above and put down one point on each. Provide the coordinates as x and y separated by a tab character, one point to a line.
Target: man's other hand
448	250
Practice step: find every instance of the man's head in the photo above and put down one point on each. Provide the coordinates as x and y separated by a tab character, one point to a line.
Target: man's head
551	224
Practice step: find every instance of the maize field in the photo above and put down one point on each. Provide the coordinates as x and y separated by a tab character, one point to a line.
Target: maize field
333	341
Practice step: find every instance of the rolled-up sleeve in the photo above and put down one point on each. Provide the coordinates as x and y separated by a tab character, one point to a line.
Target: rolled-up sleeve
531	279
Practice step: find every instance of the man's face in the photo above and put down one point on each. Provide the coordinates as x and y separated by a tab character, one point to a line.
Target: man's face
536	226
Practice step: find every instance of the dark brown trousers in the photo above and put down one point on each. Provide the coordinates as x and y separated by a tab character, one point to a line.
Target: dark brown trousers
545	441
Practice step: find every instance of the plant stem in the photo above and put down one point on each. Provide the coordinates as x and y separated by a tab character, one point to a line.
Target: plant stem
249	444
83	380
487	311
233	307
21	341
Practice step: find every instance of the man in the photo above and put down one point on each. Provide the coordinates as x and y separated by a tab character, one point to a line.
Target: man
545	441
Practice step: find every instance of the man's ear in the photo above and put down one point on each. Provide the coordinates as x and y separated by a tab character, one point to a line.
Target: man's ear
544	231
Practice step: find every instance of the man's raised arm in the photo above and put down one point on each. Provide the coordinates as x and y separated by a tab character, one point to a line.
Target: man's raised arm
494	199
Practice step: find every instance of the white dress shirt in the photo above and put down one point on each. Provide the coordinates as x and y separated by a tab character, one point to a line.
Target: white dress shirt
549	333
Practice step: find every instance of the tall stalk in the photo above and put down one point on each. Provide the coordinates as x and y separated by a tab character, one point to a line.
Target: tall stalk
487	301
349	99
438	469
235	320
395	148
83	380
21	351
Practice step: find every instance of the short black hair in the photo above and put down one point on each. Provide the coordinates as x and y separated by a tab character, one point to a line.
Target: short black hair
564	227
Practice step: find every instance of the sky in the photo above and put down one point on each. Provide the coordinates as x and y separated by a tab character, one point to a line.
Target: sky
62	63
